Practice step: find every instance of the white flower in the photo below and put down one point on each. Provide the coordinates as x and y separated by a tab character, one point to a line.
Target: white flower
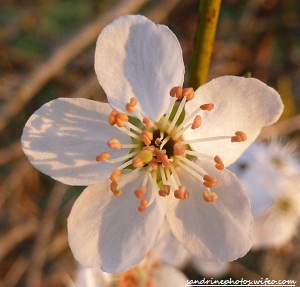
149	273
160	161
270	174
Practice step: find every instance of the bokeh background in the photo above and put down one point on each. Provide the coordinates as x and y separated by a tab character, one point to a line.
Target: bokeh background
47	51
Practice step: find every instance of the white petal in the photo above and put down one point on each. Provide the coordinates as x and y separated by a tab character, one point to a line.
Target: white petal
168	249
241	104
213	231
63	138
210	269
110	231
166	275
136	58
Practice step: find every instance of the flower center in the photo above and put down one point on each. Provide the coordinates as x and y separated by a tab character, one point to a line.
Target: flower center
159	148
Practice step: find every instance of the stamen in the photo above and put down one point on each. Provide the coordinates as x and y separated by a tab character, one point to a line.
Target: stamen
209	181
178	113
131	126
143	205
146	137
196	167
178	149
122	158
129	177
207	107
128	132
239	137
148	124
137	161
115	174
114	189
130	106
114	143
197	122
189	93
219	163
210	196
140	193
181	193
176	92
112	117
103	156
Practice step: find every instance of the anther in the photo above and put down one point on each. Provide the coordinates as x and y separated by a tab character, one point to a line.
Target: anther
181	193
143	205
166	191
197	122
239	137
114	143
210	196
207	107
148	124
114	176
219	163
114	189
112	117
146	137
154	164
130	106
188	93
178	149
140	193
120	120
176	92
137	161
103	156
209	181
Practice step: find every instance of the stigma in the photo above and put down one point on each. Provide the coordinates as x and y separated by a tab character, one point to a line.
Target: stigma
160	149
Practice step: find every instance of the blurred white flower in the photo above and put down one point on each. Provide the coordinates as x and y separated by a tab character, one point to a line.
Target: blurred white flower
210	269
156	149
271	176
149	273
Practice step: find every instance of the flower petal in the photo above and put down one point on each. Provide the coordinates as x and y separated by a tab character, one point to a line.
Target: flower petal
213	231
166	275
240	104
63	138
136	58
110	231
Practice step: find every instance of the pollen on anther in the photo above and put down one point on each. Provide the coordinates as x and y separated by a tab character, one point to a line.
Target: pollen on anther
207	107
103	156
178	149
130	106
115	174
140	193
239	137
209	181
114	189
148	124
181	193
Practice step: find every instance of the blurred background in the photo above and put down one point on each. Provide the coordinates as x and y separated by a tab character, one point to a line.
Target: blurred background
47	51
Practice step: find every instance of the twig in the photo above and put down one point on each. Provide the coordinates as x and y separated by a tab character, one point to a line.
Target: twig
39	77
47	224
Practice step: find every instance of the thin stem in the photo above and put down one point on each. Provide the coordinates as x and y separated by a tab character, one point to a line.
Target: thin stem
205	35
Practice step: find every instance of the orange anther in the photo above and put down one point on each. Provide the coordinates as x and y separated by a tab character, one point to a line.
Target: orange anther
241	134
112	117
209	181
197	122
137	162
176	91
148	134
160	152
188	93
181	193
103	156
210	196
122	117
147	123
178	149
165	161
149	148
130	106
114	176
114	189
143	205
154	164
166	191
114	143
140	193
207	107
219	163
